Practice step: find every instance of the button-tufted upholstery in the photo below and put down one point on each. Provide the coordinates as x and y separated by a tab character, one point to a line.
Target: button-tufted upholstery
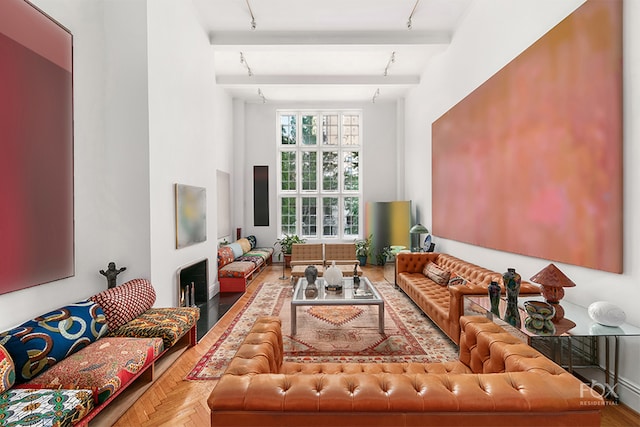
497	381
445	304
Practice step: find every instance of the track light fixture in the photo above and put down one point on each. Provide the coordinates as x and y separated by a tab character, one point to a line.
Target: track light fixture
253	19
391	61
409	21
243	61
261	95
375	96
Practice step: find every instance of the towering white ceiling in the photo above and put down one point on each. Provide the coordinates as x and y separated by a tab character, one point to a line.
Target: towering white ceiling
326	50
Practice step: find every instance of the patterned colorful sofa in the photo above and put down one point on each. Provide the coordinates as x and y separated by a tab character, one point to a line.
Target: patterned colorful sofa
63	367
239	262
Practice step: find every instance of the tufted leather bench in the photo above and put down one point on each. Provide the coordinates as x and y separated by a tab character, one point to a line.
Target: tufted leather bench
444	304
498	381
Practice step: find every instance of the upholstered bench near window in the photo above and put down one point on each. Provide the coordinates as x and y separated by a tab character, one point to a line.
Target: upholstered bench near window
239	262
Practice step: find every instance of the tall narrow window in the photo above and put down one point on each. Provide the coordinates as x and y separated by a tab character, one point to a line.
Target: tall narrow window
319	176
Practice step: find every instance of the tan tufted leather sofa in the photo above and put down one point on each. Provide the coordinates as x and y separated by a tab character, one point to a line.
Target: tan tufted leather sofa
445	304
498	381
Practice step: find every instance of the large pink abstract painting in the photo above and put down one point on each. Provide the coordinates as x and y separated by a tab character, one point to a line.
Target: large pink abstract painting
531	161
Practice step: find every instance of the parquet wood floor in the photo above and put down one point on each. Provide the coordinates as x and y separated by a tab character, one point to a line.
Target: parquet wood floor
172	401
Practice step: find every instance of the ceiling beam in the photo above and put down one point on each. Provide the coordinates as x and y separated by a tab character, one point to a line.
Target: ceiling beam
360	80
235	39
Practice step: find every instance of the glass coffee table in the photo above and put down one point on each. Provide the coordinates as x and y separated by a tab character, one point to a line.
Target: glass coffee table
365	294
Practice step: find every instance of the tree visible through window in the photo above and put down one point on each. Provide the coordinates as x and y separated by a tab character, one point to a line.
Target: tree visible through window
319	176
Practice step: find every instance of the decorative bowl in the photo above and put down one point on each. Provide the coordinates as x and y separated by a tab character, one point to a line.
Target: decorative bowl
539	310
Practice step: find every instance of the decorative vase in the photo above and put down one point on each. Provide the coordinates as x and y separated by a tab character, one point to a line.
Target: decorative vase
356	278
511	281
311	274
333	278
494	297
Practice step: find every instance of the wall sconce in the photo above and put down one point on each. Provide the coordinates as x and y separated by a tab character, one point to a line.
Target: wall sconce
553	282
417	229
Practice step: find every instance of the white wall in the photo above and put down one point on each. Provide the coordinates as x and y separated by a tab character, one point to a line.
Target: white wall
380	171
492	33
190	120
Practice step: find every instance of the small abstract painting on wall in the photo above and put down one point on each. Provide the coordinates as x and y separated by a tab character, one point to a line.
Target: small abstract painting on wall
191	215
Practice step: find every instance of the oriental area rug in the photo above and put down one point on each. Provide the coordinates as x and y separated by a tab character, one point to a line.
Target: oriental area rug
334	334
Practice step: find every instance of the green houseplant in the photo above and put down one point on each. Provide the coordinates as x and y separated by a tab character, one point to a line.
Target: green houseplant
384	255
286	243
363	249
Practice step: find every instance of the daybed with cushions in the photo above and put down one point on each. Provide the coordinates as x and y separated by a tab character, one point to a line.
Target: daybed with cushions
65	366
497	381
239	262
438	282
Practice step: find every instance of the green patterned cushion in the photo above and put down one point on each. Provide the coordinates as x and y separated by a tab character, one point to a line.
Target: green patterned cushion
55	408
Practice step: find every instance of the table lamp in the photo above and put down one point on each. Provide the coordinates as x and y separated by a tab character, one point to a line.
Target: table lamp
417	229
553	282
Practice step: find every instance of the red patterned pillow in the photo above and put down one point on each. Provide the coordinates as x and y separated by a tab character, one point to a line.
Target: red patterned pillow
437	274
125	302
7	370
225	256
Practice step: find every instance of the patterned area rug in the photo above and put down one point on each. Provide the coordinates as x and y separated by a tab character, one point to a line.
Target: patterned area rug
334	334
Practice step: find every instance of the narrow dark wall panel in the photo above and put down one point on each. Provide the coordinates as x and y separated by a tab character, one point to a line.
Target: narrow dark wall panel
261	195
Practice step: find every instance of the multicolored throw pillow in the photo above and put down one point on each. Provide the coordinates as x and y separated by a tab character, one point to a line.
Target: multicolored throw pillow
455	280
225	256
7	370
126	302
244	244
437	274
38	344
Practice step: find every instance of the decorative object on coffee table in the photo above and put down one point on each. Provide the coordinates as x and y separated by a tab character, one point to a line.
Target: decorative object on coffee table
356	278
494	297
511	281
553	282
333	278
606	313
311	274
111	273
540	317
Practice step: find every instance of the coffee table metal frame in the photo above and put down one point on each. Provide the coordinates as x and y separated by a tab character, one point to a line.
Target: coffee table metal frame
345	297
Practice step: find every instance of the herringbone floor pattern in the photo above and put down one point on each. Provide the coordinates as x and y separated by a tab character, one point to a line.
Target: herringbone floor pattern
173	402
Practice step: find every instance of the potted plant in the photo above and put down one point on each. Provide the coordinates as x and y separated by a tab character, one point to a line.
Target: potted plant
363	249
384	255
286	243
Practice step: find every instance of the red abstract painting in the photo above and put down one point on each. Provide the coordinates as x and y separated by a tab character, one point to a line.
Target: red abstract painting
36	142
531	161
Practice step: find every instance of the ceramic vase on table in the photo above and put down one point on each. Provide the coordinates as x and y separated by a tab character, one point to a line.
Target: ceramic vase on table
333	278
511	281
494	297
311	274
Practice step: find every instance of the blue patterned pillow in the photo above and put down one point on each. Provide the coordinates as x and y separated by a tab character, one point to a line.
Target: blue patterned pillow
252	240
38	344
